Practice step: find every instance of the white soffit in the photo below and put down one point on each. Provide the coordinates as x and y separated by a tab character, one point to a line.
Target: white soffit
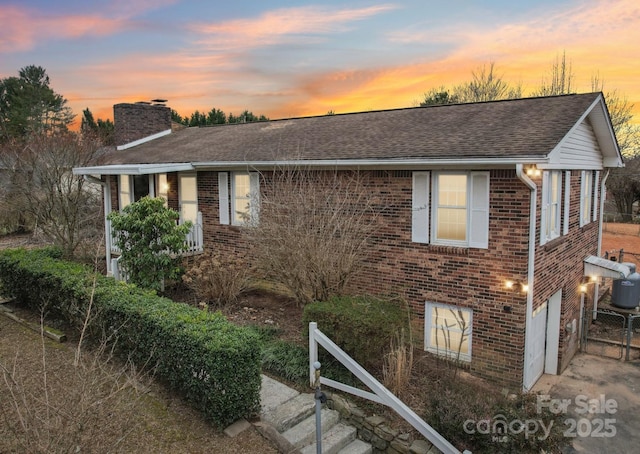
597	266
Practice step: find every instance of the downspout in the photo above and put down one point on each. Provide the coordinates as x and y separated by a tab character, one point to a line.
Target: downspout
531	261
106	194
596	287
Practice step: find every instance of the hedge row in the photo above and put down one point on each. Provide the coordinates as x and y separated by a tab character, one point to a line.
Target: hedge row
212	363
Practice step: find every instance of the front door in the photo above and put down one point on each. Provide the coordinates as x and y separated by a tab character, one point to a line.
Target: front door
535	359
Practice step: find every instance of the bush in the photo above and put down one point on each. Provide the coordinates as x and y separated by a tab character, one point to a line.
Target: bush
147	233
361	326
455	409
214	364
218	278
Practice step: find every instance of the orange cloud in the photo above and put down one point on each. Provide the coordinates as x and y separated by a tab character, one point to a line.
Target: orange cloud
599	38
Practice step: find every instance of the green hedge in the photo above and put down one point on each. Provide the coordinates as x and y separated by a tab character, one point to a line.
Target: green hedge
212	363
362	326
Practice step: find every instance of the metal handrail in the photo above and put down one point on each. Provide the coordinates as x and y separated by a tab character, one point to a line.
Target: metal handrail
380	394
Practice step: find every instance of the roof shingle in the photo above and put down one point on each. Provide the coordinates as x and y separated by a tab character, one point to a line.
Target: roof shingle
518	128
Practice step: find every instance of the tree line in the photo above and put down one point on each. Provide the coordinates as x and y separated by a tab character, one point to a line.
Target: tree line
38	149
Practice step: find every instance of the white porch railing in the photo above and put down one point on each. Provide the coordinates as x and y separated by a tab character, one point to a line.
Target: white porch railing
380	394
193	241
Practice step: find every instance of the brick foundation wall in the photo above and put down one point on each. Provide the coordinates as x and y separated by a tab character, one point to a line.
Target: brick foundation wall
137	121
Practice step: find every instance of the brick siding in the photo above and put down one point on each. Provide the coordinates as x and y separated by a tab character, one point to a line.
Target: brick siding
465	277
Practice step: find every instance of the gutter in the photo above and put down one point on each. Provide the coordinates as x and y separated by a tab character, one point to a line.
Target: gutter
531	261
106	194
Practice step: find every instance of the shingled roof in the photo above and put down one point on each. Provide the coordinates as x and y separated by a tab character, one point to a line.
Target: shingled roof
518	130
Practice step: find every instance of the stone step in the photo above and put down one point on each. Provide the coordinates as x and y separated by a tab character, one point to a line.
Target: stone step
304	433
334	440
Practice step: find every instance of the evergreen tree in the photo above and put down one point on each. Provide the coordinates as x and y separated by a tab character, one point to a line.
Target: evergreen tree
29	105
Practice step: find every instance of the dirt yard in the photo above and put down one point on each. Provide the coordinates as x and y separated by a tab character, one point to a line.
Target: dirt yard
622	236
65	406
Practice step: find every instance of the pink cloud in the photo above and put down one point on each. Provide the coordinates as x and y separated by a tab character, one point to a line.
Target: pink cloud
273	26
22	28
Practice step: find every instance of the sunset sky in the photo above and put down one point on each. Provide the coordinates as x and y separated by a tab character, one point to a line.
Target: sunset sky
295	58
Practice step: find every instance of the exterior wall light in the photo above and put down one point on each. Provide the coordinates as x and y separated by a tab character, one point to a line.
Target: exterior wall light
516	286
533	171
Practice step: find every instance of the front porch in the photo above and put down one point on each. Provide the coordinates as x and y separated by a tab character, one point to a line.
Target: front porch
193	244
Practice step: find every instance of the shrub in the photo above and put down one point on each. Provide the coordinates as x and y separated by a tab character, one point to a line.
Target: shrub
147	233
214	364
313	231
361	326
218	278
455	408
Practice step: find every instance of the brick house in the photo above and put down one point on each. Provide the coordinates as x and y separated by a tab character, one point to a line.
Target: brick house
491	208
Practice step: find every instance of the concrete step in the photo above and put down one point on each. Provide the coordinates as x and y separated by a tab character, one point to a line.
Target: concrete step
357	447
273	393
334	440
305	433
289	421
290	412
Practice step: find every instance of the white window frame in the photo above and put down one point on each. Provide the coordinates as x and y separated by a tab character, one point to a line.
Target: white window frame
125	194
587	211
444	350
550	225
237	218
190	201
161	187
477	210
227	198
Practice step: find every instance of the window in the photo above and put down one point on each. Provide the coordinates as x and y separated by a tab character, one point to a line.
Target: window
551	205
451	209
124	191
448	331
241	198
459	208
140	187
586	197
132	188
241	207
188	197
162	187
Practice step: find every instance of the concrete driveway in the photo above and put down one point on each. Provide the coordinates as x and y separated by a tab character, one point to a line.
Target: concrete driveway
601	399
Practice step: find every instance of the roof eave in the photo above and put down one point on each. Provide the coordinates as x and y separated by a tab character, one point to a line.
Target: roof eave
133	169
391	164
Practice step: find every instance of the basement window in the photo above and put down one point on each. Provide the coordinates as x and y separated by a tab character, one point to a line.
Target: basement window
448	331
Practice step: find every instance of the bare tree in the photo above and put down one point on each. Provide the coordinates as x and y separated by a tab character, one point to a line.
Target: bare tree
560	81
313	229
486	85
43	188
623	183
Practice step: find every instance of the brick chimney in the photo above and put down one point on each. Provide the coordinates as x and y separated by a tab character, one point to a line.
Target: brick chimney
138	121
